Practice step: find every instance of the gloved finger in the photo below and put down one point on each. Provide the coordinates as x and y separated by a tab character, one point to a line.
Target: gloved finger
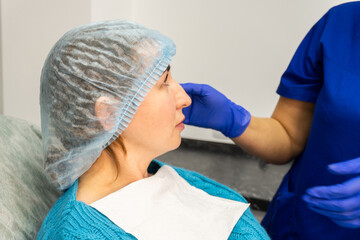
342	190
194	88
350	215
336	205
347	167
187	112
355	223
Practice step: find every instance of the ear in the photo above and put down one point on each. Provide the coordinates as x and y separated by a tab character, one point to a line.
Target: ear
105	112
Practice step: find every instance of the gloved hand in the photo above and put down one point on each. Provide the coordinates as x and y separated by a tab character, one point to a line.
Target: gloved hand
211	109
340	202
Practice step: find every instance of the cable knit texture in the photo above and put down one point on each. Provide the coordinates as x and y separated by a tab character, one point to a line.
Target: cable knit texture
72	219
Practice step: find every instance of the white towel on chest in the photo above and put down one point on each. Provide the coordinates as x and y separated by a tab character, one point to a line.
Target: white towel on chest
165	206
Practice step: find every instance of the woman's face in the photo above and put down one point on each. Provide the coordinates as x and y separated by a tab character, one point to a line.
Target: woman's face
157	124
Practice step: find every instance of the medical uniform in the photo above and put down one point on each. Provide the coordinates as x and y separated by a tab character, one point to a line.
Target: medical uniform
325	70
72	219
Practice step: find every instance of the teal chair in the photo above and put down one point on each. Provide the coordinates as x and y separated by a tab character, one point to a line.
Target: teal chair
26	195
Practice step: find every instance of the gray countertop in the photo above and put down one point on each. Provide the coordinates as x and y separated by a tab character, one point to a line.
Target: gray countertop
229	165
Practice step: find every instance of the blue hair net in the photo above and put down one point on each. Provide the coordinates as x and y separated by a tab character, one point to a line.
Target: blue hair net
120	60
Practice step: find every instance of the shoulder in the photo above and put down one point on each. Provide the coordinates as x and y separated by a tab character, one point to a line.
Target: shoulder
343	14
339	16
63	218
55	224
71	219
346	8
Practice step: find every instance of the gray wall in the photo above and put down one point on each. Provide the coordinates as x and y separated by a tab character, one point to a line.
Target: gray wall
29	29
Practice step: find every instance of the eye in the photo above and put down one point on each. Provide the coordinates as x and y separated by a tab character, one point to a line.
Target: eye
166	79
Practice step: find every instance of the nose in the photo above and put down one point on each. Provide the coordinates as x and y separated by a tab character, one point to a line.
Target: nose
182	99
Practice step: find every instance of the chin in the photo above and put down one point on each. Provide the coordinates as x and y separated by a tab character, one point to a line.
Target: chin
176	143
171	144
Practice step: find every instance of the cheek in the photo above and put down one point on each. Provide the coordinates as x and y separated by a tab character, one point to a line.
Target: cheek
163	117
158	118
154	125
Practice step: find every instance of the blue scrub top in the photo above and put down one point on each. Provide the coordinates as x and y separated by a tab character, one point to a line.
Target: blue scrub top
325	70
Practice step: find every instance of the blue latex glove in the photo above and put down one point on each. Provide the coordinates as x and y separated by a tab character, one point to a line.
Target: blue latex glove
211	109
340	202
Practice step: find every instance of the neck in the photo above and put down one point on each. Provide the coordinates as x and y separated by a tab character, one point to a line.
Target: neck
112	171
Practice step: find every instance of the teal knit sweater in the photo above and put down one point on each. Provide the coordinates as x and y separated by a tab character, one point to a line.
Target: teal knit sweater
72	219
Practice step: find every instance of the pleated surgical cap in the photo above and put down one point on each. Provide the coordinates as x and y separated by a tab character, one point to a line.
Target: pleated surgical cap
120	60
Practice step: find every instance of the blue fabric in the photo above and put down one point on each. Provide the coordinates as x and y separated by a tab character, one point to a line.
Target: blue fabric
325	70
71	219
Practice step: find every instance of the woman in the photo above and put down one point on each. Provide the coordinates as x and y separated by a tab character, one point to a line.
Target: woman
316	121
109	106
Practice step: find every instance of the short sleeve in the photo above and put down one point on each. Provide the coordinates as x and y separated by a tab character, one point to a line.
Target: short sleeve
303	78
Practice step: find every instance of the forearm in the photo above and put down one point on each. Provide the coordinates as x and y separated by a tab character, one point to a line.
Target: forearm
283	136
267	139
